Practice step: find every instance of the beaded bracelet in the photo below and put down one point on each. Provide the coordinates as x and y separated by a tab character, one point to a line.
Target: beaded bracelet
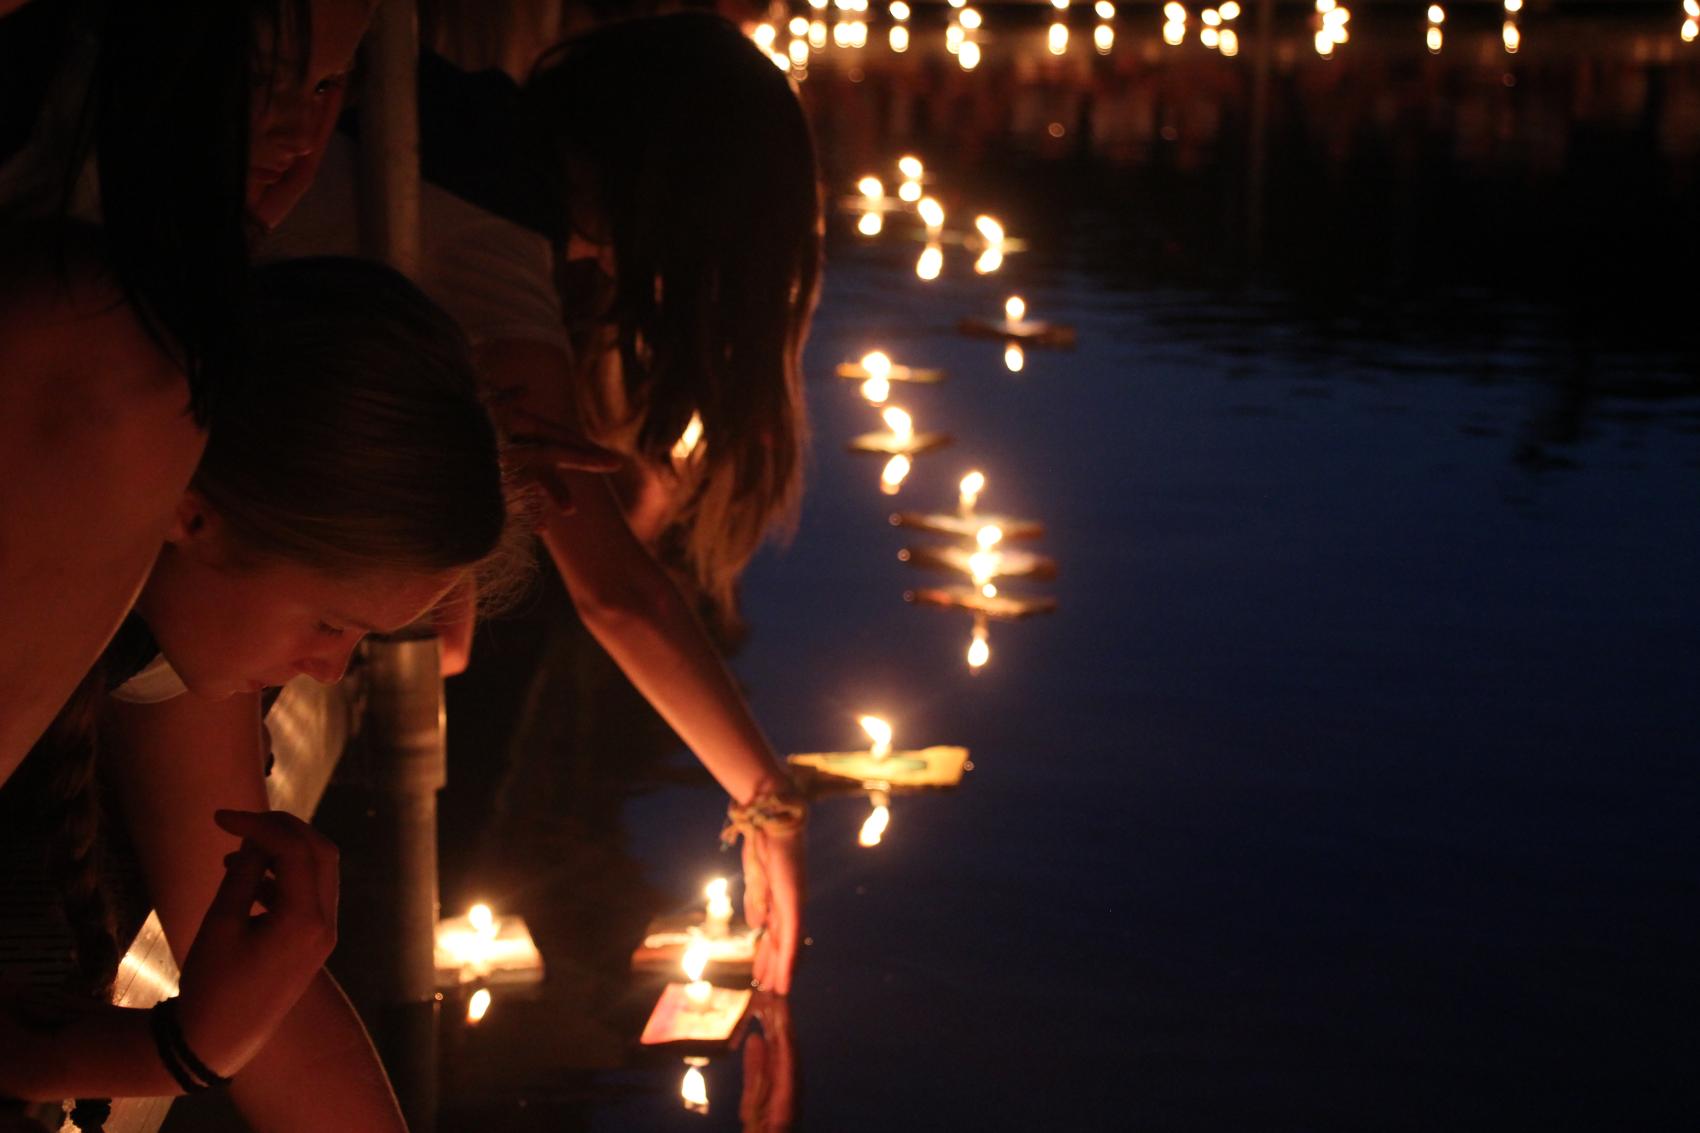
180	1061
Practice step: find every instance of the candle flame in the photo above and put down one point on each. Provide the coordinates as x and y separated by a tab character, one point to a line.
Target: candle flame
880	732
1014	308
989	590
689	439
1056	39
989	228
895	472
983	566
910	166
930	263
1690	29
968	491
1107	10
695	960
482	920
1512	38
899	10
1435	40
693	1090
1436	14
876	364
1230	10
1209	37
1014	358
870	188
876	390
931	212
478	1006
1230	45
1174	13
989	536
968	55
763	35
817	32
909	192
874	826
899	37
718	890
896	419
1174	33
870	224
1103	38
970	18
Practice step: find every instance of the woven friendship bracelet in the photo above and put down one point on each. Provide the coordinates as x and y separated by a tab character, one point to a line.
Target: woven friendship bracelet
773	812
191	1073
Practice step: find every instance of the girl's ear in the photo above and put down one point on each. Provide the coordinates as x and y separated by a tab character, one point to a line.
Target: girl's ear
192	523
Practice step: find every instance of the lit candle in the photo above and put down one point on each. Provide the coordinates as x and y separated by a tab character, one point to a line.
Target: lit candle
969	18
899	37
989	228
482	920
1107	10
719	915
1512	38
899	10
1230	10
968	492
910	166
764	35
1230	42
871	189
698	991
968	56
1057	39
879	731
1103	38
897	420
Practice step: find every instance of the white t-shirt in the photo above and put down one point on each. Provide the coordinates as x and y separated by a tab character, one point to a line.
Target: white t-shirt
495	278
156	682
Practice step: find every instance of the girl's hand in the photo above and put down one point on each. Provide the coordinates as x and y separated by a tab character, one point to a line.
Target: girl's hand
246	969
540	449
773	899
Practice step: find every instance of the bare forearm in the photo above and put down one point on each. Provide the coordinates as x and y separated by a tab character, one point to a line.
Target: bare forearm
321	1042
658	642
93	1051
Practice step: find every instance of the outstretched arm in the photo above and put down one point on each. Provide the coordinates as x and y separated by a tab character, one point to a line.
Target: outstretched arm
176	763
636	612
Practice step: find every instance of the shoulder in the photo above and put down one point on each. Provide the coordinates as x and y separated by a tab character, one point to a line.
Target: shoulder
72	349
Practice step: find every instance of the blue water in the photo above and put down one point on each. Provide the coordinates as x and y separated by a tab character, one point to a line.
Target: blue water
1354	783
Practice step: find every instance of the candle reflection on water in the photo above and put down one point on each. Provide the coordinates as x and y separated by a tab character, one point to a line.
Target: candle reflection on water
693	1087
478	1005
1014	358
931	262
896	470
878	820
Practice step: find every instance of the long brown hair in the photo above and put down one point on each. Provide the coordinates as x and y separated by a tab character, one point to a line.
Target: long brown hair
692	148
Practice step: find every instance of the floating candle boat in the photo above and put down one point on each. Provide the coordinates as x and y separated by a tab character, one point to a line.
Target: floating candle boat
1003	607
900	436
982	565
878	364
1016	327
938	766
729	946
484	948
696	1011
967	527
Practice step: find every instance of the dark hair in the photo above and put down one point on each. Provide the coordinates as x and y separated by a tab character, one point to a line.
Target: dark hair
692	146
356	440
165	115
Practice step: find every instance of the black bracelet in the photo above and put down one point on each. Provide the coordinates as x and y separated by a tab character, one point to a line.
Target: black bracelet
191	1073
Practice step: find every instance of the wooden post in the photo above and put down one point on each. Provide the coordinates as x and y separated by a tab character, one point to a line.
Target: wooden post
389	139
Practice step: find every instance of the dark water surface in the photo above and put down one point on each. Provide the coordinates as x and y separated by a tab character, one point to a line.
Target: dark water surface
1354	784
